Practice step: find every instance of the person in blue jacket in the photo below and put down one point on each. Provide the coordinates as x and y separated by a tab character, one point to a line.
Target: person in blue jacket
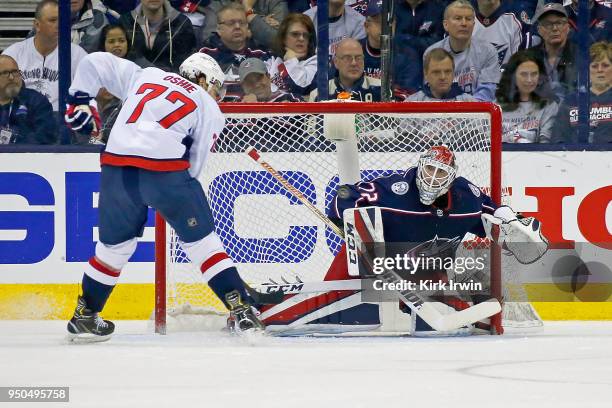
26	116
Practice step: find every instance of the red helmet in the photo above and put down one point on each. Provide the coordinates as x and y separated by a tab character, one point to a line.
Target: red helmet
436	172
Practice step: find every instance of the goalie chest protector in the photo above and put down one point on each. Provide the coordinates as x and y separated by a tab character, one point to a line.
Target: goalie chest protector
406	219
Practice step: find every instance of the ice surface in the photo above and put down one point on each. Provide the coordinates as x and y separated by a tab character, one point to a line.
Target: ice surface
569	364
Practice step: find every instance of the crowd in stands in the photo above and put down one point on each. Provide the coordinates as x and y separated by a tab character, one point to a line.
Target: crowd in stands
521	54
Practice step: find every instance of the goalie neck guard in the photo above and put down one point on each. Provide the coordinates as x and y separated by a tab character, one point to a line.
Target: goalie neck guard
436	172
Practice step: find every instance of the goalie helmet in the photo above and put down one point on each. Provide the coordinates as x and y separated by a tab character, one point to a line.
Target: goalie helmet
435	174
202	66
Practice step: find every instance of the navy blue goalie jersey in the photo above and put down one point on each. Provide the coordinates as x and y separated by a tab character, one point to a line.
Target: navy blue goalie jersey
406	219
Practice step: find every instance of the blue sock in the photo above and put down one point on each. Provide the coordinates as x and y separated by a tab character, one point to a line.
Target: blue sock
95	293
226	281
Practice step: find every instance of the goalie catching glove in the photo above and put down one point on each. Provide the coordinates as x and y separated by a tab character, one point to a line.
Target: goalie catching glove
521	236
82	115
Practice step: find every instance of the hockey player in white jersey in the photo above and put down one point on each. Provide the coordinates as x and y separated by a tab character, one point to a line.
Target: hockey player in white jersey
156	148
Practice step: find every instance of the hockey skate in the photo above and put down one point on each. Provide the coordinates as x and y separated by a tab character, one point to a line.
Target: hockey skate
87	326
242	319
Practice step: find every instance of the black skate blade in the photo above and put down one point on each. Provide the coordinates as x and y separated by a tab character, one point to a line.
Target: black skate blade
85	338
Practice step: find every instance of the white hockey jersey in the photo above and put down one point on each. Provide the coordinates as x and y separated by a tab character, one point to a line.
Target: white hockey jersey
349	25
42	73
502	30
167	123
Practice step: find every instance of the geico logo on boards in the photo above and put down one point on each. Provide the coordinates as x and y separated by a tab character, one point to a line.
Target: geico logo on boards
28	235
590	217
39	226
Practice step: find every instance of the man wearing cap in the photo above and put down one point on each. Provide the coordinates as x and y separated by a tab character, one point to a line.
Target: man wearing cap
277	133
371	44
558	53
257	86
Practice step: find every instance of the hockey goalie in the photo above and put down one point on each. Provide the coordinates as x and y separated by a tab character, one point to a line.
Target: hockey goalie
425	211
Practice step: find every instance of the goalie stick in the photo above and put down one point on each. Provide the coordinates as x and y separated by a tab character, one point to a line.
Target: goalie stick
416	302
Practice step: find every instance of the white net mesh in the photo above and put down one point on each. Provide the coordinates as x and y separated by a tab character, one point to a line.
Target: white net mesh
266	231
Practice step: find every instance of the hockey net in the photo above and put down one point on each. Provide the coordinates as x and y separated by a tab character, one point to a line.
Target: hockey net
269	234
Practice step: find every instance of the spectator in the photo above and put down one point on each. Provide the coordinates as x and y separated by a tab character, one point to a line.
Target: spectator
558	54
526	100
158	34
263	18
232	46
600	24
600	121
295	67
371	44
344	22
37	56
195	10
25	115
113	39
476	62
418	25
403	62
438	70
257	85
496	25
87	22
524	11
350	78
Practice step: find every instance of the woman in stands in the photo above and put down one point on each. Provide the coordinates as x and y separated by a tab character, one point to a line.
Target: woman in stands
600	121
294	68
526	100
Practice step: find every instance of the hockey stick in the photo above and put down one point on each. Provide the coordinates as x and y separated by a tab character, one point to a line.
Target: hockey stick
416	302
253	154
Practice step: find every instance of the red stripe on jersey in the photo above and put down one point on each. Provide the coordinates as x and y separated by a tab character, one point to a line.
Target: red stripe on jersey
212	261
283	71
143	162
104	269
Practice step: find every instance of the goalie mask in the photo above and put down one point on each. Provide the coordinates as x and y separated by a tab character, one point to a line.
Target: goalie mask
435	174
203	70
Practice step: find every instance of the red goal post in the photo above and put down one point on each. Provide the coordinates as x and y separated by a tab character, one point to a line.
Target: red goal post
317	146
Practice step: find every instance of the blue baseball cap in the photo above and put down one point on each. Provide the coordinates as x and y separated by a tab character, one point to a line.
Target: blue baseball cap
374	8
